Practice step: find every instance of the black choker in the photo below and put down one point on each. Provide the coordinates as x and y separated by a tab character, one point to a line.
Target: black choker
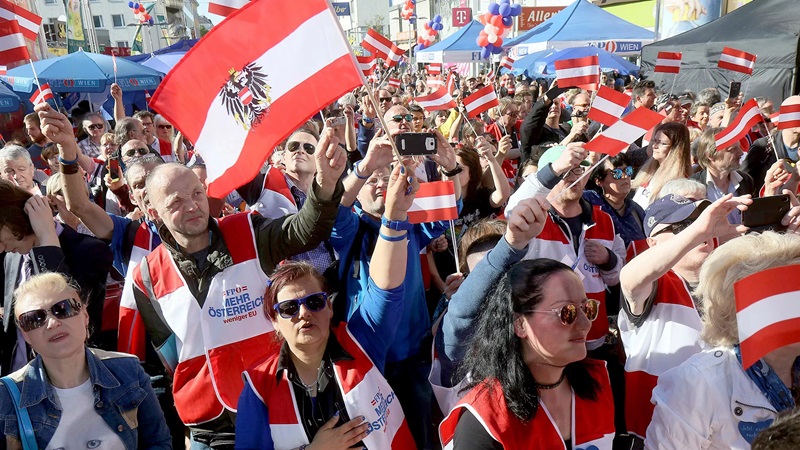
550	386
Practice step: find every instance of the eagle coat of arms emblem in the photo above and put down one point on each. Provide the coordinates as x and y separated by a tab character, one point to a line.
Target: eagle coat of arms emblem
245	95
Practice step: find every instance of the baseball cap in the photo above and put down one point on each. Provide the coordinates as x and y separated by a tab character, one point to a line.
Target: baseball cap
671	209
553	153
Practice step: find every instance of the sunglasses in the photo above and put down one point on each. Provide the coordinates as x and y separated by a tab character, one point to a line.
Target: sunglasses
96	126
400	117
141	151
619	174
385	99
677	227
313	302
569	313
295	146
165	127
31	320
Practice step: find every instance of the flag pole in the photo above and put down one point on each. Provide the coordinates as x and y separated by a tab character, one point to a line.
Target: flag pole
455	244
35	77
771	141
747	85
674	79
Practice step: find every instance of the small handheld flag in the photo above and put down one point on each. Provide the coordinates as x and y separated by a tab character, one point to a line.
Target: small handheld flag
480	101
748	116
42	94
737	60
608	106
579	72
438	100
434	202
668	62
623	132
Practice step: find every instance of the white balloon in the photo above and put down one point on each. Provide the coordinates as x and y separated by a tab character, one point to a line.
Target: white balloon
492	38
488	28
506	32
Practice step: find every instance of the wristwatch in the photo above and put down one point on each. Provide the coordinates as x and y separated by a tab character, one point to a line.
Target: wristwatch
457	170
397	225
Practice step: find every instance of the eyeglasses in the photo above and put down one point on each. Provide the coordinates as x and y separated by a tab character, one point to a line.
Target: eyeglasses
385	99
575	171
676	228
165	127
569	313
31	320
619	174
512	113
295	146
313	302
399	118
374	181
96	126
141	151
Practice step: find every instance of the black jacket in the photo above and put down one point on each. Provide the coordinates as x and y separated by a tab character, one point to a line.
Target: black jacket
746	186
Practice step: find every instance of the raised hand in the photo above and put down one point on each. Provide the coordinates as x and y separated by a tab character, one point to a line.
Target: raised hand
330	161
527	221
54	125
403	186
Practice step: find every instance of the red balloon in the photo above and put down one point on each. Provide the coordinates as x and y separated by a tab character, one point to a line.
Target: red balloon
427	27
498	42
482	39
486	18
496	21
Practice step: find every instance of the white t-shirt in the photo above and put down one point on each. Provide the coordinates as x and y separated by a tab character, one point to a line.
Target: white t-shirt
80	426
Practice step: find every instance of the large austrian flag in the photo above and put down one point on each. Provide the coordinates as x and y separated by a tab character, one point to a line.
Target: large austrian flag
284	86
225	7
626	130
435	201
767	311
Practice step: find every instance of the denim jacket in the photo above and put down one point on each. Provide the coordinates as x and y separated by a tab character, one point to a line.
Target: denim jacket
123	398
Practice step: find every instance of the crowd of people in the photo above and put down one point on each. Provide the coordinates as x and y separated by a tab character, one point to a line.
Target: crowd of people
562	309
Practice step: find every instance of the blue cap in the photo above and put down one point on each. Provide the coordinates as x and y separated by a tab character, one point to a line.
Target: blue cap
671	209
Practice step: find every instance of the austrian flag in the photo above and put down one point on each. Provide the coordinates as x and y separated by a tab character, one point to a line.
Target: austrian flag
29	23
579	72
789	117
439	100
668	62
737	60
608	106
42	94
748	116
393	82
382	47
767	311
366	63
435	201
250	99
621	134
507	62
480	101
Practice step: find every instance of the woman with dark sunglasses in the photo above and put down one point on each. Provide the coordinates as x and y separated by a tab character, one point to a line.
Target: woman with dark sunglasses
325	388
76	396
529	383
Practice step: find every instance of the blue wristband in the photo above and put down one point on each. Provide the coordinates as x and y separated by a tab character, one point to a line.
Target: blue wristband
68	163
355	171
393	238
398	225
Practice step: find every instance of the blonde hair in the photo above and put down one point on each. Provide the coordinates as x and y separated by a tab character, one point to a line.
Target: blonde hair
733	261
43	284
677	164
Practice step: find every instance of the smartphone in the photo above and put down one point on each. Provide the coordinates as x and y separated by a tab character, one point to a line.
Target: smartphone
735	89
337	121
113	169
766	213
410	144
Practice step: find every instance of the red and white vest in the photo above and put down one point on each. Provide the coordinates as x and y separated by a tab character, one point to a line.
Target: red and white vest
131	331
669	335
592	420
214	343
635	248
364	390
276	200
553	243
164	149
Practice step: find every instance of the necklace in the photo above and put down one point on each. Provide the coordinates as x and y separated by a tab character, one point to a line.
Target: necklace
547	387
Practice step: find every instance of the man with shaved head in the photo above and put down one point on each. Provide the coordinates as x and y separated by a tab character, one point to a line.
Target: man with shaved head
761	156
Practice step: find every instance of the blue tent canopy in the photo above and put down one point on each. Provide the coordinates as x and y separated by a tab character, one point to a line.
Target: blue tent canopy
608	61
582	24
9	100
459	47
527	65
178	47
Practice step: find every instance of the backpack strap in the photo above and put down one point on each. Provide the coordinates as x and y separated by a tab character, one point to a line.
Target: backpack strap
26	435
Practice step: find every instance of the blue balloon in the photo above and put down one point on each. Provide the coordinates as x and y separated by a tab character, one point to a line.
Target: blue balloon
151	21
135	6
516	9
505	9
505	1
497	50
130	4
494	8
508	21
431	23
437	18
485	53
439	27
420	47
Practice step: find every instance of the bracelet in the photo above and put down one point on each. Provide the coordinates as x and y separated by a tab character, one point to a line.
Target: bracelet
68	163
457	170
355	171
393	238
397	225
69	169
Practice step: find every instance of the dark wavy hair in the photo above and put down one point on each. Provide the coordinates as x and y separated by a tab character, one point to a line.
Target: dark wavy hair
495	356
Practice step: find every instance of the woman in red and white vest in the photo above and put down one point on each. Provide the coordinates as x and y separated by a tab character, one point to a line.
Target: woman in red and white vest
325	389
531	384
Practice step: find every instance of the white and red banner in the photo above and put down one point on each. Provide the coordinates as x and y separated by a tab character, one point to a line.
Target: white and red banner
579	72
366	63
29	23
12	43
608	106
393	82
284	87
434	69
668	62
225	7
3	70
480	101
42	94
450	84
438	100
737	60
435	82
382	47
749	115
767	311
621	134
435	201
490	76
507	62
789	117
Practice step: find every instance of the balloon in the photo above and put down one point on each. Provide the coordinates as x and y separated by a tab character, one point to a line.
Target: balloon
495	30
486	17
494	8
151	21
507	21
499	42
497	50
141	7
505	9
130	4
492	38
439	27
135	6
482	40
437	18
485	52
516	9
505	1
496	21
506	32
488	28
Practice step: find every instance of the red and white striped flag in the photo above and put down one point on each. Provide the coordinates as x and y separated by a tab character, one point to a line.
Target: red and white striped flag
114	61
749	115
42	94
608	106
285	86
451	83
440	99
507	62
225	7
668	62
434	69
767	311
29	23
462	69
3	70
578	72
789	117
621	134
367	63
480	101
775	118
435	201
393	82
737	60
435	82
382	47
490	76
12	43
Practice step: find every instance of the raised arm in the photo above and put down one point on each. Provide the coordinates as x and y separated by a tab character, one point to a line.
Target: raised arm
502	190
119	106
379	155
